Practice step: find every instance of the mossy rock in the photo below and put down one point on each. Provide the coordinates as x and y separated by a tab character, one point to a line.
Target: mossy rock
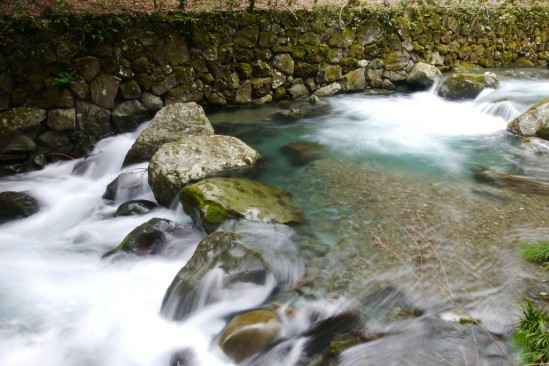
466	86
231	253
396	60
154	236
342	38
247	37
212	201
190	159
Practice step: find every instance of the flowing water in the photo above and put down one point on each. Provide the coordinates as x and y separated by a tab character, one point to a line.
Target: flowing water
395	225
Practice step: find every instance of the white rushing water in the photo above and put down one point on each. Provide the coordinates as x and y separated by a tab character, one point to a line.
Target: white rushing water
61	305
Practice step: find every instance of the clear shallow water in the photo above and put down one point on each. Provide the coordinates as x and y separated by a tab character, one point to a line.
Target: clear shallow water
386	159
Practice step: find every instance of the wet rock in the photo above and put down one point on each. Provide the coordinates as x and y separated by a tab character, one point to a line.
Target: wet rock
302	152
155	236
190	159
16	205
423	75
54	139
185	357
533	122
416	342
249	333
215	200
535	146
466	86
126	186
18	148
62	119
521	183
135	208
389	303
224	253
104	89
127	116
323	332
171	123
328	74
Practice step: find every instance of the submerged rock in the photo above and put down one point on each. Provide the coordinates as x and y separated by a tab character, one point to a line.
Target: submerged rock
235	262
423	75
517	182
249	333
173	122
533	122
154	237
302	152
212	201
184	357
188	160
535	146
467	86
126	186
16	205
135	207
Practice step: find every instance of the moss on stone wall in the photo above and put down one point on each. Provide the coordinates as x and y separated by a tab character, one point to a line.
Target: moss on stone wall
222	58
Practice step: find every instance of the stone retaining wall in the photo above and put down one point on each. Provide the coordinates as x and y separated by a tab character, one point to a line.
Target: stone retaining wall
67	81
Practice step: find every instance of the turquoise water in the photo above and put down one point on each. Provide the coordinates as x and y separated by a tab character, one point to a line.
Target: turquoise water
396	166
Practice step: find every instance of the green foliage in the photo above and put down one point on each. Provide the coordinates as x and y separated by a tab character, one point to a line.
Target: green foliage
533	334
538	253
63	79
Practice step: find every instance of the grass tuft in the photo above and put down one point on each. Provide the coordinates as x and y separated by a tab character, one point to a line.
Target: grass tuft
533	334
538	253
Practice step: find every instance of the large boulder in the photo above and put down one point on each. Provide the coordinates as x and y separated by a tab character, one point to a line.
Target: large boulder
423	75
228	253
533	122
157	236
249	333
173	122
16	205
214	200
467	86
191	159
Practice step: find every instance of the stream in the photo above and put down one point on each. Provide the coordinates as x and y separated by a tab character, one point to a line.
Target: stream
396	228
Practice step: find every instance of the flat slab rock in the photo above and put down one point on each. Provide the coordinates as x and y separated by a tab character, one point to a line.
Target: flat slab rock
219	199
191	159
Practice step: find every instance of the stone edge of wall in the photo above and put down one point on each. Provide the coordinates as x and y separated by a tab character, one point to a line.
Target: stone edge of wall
67	81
